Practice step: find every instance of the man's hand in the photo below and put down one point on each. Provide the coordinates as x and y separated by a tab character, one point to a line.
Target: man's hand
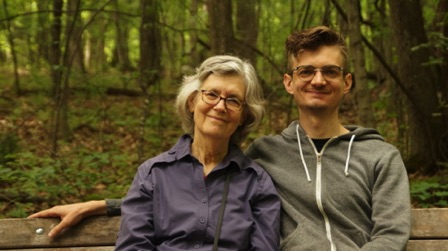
71	214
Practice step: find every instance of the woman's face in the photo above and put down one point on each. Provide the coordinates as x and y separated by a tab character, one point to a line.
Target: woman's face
217	121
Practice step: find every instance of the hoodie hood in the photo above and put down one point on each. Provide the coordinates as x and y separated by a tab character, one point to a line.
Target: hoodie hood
361	133
356	132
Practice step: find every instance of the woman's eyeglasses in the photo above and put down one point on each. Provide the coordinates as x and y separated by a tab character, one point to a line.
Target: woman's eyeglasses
213	98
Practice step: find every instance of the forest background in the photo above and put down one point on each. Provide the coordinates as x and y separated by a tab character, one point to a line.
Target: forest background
87	87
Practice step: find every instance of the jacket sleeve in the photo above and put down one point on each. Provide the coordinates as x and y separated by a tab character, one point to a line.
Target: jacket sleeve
391	207
113	207
137	228
265	208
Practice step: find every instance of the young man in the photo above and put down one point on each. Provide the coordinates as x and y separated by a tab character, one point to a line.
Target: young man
342	187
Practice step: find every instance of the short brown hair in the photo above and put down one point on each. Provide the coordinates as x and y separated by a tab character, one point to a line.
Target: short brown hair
311	40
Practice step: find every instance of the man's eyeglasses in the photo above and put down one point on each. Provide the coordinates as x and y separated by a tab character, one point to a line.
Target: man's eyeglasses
307	72
213	98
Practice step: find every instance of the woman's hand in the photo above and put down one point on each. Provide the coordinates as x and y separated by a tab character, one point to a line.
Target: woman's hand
71	214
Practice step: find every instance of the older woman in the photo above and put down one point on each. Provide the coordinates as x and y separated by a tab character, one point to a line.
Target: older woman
204	191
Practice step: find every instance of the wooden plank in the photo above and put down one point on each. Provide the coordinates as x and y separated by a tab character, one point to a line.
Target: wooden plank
430	223
427	245
429	232
109	248
32	233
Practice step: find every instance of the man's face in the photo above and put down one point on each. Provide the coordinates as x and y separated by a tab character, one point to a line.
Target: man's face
317	81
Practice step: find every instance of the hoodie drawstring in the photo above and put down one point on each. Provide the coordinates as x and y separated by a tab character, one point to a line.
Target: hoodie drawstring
308	178
346	170
348	155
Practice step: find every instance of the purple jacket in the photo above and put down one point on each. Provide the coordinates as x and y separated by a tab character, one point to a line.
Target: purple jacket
171	206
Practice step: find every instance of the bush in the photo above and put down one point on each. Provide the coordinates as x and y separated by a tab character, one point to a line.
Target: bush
429	193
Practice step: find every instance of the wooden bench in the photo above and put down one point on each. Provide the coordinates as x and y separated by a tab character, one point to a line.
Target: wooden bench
429	233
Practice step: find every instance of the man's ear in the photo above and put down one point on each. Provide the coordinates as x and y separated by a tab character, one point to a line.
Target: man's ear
348	82
287	82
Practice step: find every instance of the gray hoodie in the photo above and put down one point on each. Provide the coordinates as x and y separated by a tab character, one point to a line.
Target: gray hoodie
353	195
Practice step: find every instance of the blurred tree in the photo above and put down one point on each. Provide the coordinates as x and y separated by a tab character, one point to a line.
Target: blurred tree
58	123
73	51
247	29
221	26
150	66
10	37
427	128
121	49
43	32
55	51
362	91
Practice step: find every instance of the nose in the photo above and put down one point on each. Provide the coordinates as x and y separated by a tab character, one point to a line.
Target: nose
221	105
318	78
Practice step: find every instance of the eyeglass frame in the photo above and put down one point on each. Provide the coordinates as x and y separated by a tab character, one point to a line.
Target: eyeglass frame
203	91
317	69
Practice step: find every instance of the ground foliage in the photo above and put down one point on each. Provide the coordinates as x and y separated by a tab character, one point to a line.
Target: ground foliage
100	159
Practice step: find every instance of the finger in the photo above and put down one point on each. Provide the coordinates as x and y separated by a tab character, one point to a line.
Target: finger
59	228
44	214
55	231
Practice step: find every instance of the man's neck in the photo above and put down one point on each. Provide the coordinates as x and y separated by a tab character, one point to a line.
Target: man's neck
321	126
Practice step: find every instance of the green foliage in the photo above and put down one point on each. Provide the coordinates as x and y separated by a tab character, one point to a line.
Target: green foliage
31	181
108	131
429	193
437	41
8	145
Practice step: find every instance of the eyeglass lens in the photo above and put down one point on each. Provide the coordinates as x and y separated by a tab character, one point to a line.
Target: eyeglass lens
213	98
329	72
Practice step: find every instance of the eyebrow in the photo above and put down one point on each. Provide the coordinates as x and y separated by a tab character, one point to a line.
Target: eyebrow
230	94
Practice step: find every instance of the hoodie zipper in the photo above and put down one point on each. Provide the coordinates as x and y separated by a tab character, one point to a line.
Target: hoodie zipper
319	190
318	182
319	198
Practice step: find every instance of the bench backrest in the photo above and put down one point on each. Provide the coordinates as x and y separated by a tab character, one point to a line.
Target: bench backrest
429	233
429	230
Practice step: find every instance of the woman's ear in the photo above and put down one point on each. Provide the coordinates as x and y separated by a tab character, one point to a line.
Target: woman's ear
243	117
191	103
241	120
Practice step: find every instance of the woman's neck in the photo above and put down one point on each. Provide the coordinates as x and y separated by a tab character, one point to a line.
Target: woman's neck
209	153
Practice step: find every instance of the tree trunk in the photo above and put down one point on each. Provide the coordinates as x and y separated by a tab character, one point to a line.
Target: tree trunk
197	52
56	73
55	52
393	98
419	85
150	45
13	51
150	58
43	34
221	26
73	32
441	26
95	58
247	29
124	63
361	91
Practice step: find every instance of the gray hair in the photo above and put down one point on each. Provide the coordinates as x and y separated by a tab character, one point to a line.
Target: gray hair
253	110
